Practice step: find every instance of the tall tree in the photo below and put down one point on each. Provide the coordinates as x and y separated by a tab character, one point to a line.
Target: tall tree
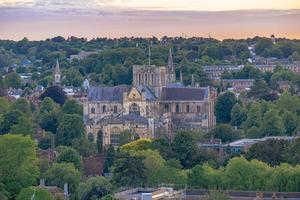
272	124
18	163
70	127
12	80
224	104
238	115
129	171
63	173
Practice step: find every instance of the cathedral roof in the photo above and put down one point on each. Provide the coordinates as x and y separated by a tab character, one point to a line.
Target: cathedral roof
149	95
184	94
107	93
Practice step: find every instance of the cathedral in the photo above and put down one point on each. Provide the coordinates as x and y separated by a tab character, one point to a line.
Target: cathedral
154	106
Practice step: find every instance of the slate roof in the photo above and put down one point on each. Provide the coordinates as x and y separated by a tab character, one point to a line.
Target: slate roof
184	94
107	93
147	91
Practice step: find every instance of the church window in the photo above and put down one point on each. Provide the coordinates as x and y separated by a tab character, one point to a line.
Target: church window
140	79
115	136
115	109
146	78
134	109
91	137
198	109
177	108
104	109
93	110
166	107
188	108
152	79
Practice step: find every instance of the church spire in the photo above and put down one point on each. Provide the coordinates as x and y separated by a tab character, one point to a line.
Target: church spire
193	81
57	70
170	61
56	74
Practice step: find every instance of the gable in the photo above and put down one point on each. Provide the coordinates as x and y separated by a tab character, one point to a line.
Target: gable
134	94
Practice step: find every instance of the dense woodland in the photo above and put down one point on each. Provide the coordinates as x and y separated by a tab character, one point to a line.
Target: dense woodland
264	111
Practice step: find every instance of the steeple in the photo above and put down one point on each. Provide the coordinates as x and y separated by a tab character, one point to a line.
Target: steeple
170	61
193	81
56	74
57	70
170	68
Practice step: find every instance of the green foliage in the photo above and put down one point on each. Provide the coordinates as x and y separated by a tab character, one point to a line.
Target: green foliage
127	136
292	152
137	145
39	194
224	132
49	121
12	80
224	104
110	154
23	126
259	89
10	118
70	128
69	155
61	173
48	105
238	115
71	107
18	163
22	105
95	187
270	151
84	147
129	171
272	124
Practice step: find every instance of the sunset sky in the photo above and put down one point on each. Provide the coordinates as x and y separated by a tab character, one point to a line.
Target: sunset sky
40	19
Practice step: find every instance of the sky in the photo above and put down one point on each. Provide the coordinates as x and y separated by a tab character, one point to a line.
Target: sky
40	19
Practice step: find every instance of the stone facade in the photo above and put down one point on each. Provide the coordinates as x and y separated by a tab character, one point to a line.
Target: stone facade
153	106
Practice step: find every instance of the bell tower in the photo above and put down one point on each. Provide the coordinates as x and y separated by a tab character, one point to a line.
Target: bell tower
56	74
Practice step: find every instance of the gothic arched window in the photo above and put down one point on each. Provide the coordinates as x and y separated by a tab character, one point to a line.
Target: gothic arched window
93	110
177	107
104	109
115	136
134	109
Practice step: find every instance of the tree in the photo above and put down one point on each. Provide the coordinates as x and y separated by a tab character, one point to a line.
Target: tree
69	155
127	136
110	158
55	93
254	117
84	147
18	163
49	121
100	141
72	107
288	102
12	80
4	105
95	187
224	104
70	127
254	133
184	148
270	151
292	152
48	105
224	132
262	45
10	118
61	173
272	124
129	171
290	122
259	89
22	105
23	126
39	194
238	115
